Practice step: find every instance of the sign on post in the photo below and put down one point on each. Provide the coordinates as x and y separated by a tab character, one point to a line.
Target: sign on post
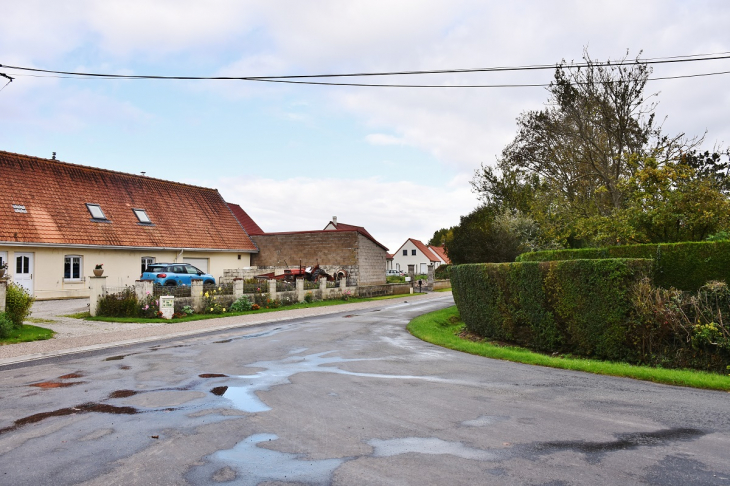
167	306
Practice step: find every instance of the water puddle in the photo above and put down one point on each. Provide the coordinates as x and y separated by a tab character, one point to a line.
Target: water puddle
430	445
253	465
484	420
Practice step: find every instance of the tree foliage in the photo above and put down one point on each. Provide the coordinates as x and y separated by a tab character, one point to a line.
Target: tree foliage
594	168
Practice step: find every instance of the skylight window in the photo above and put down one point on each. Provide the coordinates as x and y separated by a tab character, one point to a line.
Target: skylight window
96	212
19	208
142	216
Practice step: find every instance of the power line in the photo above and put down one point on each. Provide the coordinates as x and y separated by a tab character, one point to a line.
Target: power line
664	60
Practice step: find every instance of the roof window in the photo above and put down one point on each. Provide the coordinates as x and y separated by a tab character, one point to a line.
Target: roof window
19	208
96	212
142	216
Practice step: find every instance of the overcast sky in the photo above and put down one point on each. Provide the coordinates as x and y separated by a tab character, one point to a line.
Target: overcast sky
397	161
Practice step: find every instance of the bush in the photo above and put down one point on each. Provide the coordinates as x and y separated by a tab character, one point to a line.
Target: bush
6	325
577	306
685	266
17	304
119	304
442	272
241	305
308	297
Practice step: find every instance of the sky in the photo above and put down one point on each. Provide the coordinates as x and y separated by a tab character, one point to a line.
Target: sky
397	161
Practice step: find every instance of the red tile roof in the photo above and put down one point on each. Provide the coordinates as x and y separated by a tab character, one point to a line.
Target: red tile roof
389	256
424	249
440	251
55	194
351	227
248	224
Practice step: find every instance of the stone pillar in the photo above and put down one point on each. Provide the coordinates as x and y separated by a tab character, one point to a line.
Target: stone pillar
196	292
343	283
412	274
143	288
3	292
237	288
300	290
431	275
96	284
272	289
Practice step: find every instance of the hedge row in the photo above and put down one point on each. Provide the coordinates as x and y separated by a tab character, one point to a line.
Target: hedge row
685	266
578	306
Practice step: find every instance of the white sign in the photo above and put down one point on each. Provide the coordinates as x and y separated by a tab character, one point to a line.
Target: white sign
167	306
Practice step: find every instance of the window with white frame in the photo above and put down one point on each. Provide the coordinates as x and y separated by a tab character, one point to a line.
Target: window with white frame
142	216
147	261
72	269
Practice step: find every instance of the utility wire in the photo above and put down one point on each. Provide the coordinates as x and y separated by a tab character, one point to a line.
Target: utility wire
676	59
370	85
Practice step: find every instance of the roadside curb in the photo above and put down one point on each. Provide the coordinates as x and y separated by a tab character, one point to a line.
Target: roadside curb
159	336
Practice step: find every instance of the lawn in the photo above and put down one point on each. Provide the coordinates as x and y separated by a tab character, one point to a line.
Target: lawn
442	328
198	317
26	334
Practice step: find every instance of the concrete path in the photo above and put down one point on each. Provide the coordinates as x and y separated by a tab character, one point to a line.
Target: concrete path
78	335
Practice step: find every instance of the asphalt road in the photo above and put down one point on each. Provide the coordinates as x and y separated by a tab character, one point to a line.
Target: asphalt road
346	399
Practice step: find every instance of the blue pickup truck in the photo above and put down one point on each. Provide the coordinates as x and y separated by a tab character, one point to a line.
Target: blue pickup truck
173	274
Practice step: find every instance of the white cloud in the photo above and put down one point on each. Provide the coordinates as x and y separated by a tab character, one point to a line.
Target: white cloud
390	211
383	139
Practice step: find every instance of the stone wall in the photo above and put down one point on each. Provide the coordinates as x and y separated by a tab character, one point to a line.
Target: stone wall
350	251
371	259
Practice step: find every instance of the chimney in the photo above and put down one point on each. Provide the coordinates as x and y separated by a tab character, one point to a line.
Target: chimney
54	156
334	220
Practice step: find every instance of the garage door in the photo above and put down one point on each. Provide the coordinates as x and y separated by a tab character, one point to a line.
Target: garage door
200	263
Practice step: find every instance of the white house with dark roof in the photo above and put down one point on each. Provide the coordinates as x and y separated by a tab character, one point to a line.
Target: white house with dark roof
59	220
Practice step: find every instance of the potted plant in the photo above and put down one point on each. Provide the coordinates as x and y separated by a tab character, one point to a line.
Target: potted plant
99	270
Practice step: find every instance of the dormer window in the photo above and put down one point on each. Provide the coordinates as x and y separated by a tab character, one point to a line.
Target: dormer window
142	216
96	212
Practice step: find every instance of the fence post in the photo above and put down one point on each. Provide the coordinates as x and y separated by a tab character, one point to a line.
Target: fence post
237	288
97	285
196	292
3	292
343	283
300	290
143	288
272	289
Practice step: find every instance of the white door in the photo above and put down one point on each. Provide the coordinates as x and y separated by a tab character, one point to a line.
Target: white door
24	271
424	268
199	263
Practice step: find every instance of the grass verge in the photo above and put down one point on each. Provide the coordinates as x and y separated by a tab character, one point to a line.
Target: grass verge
199	317
26	334
441	328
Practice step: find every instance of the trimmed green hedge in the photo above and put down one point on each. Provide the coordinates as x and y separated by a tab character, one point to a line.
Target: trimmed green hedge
577	306
685	266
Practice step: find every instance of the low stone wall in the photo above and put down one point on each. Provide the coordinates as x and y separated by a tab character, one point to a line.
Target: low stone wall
442	284
387	289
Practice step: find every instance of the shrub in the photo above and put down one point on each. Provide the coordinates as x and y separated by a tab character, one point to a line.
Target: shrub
442	271
17	304
308	297
685	266
578	306
6	325
241	305
149	307
119	304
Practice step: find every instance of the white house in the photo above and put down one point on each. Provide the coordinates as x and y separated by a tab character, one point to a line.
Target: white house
414	252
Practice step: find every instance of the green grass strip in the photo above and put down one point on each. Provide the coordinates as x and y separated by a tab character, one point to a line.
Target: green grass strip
441	328
199	317
27	334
